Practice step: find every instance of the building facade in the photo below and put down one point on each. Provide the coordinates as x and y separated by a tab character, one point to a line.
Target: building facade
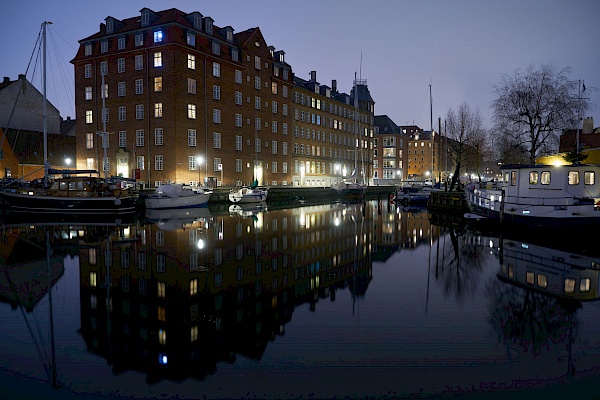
169	96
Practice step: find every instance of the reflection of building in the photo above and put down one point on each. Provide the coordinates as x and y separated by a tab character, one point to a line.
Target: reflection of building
180	301
26	271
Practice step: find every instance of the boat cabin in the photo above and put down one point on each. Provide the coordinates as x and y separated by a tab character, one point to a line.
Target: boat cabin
561	182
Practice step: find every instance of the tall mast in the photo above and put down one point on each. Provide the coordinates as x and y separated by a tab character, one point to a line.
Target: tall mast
104	133
44	25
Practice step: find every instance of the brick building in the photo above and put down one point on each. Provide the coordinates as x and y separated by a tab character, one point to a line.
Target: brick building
184	101
332	135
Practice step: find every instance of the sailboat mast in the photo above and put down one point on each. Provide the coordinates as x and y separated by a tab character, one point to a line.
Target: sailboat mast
104	133
44	25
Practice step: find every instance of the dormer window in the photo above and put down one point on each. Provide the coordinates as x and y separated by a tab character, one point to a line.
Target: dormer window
197	22
229	34
145	18
208	25
88	49
281	56
158	36
110	26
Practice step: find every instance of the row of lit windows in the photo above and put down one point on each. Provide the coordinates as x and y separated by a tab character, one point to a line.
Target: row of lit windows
589	177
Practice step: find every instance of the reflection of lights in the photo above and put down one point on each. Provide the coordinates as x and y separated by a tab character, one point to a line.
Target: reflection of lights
336	221
491	244
162	359
200	244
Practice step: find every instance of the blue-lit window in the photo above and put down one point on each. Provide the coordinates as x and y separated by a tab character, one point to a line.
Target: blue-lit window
158	36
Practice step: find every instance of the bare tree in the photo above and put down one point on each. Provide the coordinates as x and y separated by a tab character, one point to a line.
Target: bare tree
464	129
533	107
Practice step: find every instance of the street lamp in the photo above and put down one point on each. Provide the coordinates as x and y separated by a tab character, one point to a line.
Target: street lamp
67	161
199	161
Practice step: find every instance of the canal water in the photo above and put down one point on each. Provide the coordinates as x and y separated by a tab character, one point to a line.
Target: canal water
365	300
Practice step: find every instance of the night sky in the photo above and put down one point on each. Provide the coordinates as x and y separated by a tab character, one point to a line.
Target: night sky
459	47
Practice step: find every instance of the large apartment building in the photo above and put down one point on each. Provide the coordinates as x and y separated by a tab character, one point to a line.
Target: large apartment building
183	101
332	134
189	102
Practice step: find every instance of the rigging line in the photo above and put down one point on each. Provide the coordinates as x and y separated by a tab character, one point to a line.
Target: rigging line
68	84
423	105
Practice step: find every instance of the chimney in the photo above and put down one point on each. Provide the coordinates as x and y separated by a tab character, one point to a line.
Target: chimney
21	76
6	80
313	76
334	86
588	125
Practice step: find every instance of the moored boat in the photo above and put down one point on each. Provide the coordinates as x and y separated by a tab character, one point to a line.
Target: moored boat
75	191
540	196
177	196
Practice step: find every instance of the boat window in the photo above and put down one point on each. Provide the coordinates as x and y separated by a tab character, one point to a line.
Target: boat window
589	178
533	177
513	178
542	281
573	177
569	285
506	177
530	277
62	186
72	185
584	285
545	178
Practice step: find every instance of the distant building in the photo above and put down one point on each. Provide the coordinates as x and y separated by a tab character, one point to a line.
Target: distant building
589	137
389	147
21	118
332	135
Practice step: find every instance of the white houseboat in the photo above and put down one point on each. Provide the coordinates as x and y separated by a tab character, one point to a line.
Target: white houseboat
540	196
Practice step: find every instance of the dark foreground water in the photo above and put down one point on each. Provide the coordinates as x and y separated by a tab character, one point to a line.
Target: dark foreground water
327	301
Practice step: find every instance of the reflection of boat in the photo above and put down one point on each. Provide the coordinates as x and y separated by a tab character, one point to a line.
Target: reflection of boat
248	209
247	194
177	195
176	218
541	196
546	270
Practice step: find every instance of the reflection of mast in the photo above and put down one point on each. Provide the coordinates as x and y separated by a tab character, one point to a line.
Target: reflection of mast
53	362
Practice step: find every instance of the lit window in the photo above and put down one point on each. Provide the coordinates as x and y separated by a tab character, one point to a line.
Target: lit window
158	36
157	59
158	110
191	39
192	111
573	177
89	119
569	285
158	84
191	61
589	178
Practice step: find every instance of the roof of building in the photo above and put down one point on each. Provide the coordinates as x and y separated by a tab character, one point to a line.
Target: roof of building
386	125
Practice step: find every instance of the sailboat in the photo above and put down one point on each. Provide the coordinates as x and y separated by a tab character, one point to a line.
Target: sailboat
352	187
76	191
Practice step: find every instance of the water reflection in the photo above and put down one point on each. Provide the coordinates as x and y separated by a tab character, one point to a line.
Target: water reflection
186	293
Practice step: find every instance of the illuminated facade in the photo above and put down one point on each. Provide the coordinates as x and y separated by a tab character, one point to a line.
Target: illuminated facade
184	101
332	135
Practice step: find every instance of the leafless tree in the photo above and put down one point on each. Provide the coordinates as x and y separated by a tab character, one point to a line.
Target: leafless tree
534	106
464	129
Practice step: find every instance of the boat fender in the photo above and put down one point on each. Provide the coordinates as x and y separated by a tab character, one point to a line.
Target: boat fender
117	202
405	201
